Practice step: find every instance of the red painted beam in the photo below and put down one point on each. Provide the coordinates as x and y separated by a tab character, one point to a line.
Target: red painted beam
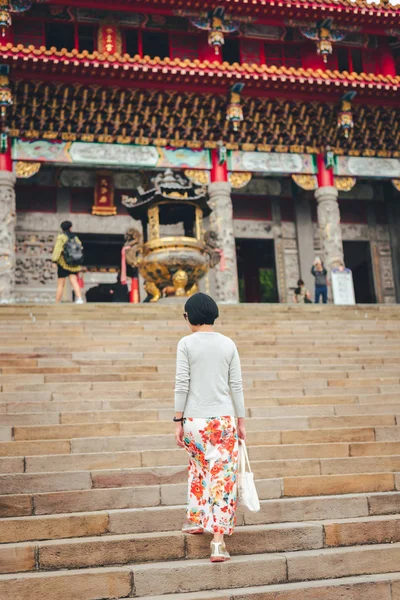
312	10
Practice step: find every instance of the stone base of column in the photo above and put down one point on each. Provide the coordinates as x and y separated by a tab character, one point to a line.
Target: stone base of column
7	236
329	225
221	221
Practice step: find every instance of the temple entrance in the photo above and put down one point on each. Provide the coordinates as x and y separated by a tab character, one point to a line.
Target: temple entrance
256	270
357	257
102	251
102	260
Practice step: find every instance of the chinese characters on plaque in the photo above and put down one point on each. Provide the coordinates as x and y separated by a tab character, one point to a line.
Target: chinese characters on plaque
109	39
104	195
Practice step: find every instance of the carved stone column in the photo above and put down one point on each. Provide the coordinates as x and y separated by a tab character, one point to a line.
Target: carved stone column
7	236
221	221
329	225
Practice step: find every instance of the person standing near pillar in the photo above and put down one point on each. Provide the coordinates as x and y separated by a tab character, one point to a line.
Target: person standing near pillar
221	221
68	259
321	282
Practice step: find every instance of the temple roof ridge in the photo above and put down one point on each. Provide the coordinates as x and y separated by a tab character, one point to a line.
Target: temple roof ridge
198	68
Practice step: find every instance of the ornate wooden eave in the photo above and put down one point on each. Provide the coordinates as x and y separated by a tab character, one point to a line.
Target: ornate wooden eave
340	9
119	70
168	117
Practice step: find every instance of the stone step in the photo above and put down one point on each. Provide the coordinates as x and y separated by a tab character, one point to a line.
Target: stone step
364	587
115	436
105	427
137	497
178	576
18	409
74	491
12	400
162	546
67	461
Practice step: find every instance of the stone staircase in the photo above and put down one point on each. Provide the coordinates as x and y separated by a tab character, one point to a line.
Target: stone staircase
92	486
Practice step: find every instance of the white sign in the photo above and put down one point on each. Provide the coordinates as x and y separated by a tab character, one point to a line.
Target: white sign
367	166
342	287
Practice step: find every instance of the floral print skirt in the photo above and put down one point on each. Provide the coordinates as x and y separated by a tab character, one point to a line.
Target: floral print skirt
212	445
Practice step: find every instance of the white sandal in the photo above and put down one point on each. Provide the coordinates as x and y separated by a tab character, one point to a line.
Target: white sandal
192	529
219	552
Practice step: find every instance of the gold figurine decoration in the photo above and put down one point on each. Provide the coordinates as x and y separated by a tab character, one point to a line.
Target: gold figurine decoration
171	265
217	23
323	33
345	118
234	112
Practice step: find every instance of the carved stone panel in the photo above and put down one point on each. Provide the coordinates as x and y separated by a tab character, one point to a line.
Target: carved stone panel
292	271
354	232
247	228
33	260
7	236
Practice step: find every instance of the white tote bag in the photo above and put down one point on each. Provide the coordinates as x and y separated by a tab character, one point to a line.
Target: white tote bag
247	493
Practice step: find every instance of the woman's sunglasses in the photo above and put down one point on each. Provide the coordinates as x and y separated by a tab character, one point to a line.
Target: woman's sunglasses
185	316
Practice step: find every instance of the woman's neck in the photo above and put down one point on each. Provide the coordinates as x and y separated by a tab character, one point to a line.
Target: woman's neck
203	328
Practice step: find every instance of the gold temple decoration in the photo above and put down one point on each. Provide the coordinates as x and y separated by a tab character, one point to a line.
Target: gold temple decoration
345	184
6	97
24	169
234	112
217	23
154	222
202	177
5	17
345	118
323	33
396	183
306	182
171	265
199	223
239	180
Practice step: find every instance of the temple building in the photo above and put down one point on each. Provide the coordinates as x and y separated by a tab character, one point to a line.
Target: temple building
286	112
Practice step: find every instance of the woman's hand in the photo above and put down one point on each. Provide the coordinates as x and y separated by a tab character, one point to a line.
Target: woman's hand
241	429
179	435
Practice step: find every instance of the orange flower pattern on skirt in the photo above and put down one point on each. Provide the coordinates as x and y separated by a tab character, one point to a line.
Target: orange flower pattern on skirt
212	445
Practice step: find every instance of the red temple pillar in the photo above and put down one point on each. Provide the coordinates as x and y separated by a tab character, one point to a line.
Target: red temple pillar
134	296
328	214
324	175
386	59
219	171
5	158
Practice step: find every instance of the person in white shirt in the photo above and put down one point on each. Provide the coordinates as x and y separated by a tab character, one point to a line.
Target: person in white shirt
208	397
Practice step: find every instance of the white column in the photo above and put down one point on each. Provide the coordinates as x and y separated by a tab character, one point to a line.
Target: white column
221	221
7	236
329	225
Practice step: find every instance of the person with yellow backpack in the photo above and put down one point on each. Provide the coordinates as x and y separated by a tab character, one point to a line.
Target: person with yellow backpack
68	258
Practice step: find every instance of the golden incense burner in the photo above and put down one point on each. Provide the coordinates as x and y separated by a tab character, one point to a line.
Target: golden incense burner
171	265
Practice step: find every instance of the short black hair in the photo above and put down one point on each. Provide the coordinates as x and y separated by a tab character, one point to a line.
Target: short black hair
66	225
300	282
201	309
